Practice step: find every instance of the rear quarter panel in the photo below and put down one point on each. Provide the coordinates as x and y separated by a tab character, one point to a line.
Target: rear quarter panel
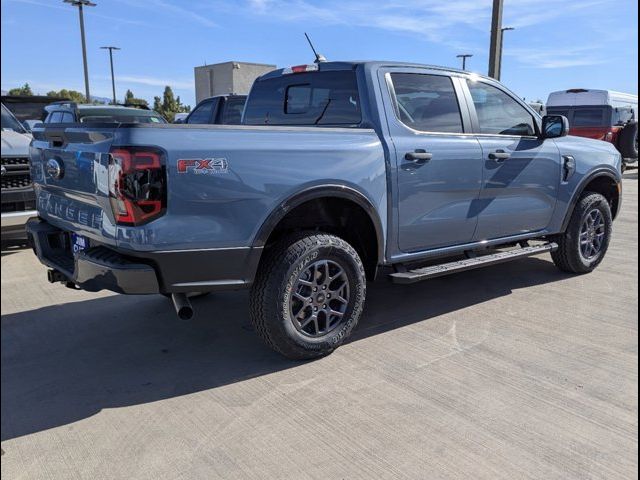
265	167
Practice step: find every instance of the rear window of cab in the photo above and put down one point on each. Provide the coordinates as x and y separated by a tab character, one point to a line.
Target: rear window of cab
314	98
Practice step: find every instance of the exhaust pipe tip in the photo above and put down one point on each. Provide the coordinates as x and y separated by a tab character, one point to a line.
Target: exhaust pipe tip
183	307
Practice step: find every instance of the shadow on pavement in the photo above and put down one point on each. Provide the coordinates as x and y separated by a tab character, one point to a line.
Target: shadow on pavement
11	248
63	363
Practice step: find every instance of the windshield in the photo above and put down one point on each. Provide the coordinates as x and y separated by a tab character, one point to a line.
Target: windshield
585	116
121	119
118	115
9	122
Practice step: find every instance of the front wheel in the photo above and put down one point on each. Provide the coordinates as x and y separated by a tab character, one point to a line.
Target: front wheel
308	295
584	244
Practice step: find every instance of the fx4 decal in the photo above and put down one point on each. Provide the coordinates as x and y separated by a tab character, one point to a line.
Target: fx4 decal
203	166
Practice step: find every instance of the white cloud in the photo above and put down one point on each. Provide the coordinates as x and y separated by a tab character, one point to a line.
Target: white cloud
173	8
92	13
153	81
581	56
442	22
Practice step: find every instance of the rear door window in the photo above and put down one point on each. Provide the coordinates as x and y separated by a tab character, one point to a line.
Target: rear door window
314	98
427	102
67	117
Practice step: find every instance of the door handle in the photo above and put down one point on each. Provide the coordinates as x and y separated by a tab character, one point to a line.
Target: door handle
418	156
499	156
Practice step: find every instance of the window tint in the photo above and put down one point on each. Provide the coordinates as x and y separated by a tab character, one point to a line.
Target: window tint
9	121
316	98
427	102
498	113
202	113
589	117
233	110
622	115
559	111
55	117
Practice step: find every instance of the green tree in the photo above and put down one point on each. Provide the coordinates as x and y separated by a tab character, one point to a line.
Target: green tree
157	105
72	95
23	91
130	99
169	105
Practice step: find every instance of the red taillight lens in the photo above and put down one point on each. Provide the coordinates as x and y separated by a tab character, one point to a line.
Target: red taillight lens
137	183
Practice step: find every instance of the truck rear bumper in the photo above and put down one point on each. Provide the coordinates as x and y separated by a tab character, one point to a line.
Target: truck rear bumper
13	224
129	272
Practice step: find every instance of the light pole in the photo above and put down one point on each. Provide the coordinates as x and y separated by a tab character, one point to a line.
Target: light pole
494	48
80	4
113	79
464	57
502	30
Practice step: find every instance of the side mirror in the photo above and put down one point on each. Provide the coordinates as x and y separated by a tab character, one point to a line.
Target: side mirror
26	125
555	126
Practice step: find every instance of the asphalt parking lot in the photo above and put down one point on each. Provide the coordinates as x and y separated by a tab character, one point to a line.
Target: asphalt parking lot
513	371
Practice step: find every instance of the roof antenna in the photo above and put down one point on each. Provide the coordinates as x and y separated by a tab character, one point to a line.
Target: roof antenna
319	57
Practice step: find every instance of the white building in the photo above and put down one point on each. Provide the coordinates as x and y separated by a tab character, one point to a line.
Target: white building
227	77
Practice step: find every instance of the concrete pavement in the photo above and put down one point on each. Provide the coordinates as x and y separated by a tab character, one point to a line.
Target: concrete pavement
512	371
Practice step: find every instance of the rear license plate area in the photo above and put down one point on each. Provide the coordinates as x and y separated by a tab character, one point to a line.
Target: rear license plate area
78	243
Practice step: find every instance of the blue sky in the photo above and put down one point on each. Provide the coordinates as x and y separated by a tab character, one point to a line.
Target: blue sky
556	44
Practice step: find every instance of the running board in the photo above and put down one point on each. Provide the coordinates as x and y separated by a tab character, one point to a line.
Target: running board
433	271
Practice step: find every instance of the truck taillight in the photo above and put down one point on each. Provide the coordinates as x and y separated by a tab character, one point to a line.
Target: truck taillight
137	185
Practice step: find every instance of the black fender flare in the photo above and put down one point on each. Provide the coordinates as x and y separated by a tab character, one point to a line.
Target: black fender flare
601	172
322	191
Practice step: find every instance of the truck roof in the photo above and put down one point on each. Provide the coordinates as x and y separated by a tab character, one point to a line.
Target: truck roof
350	64
582	96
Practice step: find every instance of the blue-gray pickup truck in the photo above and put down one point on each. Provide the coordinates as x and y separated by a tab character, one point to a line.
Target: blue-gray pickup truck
341	173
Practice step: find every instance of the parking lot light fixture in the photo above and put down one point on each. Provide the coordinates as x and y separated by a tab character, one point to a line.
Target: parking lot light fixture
464	57
113	80
502	30
81	4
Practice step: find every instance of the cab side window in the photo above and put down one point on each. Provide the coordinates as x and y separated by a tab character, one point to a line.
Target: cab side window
54	117
427	102
233	111
202	113
498	113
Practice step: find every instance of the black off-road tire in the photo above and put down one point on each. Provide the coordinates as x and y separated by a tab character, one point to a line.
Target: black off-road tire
628	141
271	298
569	257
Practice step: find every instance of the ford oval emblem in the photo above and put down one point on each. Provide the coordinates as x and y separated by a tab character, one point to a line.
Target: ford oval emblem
54	168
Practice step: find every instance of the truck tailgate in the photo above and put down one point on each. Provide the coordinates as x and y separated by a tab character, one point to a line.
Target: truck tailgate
69	166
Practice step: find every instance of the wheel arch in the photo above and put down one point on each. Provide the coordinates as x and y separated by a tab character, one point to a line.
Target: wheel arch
603	181
335	194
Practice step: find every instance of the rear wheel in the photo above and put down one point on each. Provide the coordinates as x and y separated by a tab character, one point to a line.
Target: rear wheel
308	295
584	244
